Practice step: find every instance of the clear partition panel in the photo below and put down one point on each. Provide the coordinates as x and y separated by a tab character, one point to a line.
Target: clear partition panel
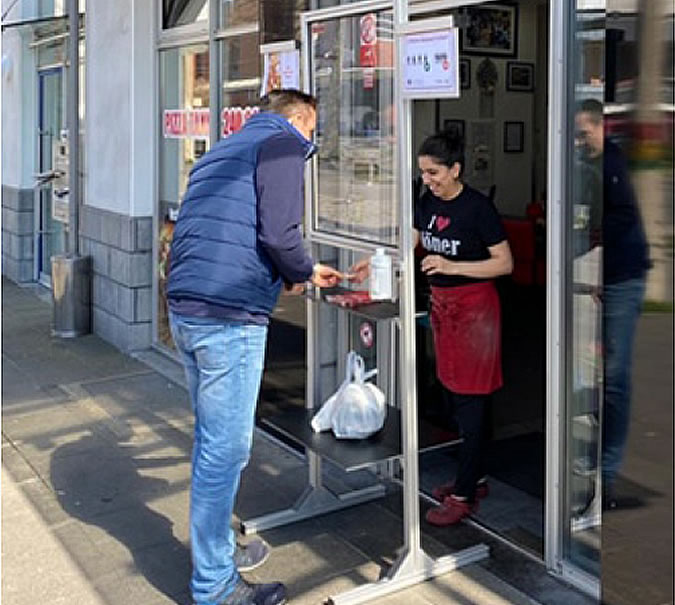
351	63
584	307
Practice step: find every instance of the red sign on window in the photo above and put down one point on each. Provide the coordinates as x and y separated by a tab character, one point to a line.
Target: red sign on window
368	47
233	118
186	123
194	123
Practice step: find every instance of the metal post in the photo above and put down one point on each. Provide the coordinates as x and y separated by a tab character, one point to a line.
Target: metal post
407	300
73	121
215	83
71	273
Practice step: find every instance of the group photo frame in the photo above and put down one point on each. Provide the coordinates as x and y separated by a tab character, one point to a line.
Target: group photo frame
490	29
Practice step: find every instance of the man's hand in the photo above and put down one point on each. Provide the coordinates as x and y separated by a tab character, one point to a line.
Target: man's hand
293	289
325	276
359	271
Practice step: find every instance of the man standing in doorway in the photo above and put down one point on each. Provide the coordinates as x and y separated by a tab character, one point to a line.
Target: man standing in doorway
625	265
236	243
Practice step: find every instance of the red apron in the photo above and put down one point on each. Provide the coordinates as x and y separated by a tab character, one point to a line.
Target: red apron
466	323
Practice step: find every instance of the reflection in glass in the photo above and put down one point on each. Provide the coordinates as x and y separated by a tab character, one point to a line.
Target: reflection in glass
238	12
279	19
637	520
584	310
183	12
352	76
184	107
240	60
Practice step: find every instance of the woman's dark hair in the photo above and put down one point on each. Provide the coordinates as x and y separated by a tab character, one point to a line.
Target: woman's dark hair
446	147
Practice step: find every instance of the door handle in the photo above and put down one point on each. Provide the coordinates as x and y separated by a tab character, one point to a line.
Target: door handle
45	177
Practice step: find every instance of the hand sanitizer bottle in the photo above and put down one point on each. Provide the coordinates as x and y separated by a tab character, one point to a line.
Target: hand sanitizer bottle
380	276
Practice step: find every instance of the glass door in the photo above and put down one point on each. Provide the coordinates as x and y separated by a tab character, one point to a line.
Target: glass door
51	236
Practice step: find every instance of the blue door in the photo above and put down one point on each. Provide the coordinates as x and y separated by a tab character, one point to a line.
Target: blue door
51	233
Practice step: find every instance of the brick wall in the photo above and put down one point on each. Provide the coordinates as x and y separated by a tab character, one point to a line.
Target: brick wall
17	233
121	251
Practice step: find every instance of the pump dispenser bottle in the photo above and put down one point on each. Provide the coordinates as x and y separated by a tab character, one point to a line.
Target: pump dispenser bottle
380	276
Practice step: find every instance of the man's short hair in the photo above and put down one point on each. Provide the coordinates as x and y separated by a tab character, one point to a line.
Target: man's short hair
286	101
593	108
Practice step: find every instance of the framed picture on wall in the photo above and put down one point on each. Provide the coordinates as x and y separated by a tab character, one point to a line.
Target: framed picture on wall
519	76
454	127
464	74
490	29
514	136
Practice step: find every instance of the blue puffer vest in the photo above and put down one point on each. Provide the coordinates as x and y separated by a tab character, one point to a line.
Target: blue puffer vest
215	253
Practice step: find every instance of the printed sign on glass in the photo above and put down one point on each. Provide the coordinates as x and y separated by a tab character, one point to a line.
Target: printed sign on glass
368	46
430	64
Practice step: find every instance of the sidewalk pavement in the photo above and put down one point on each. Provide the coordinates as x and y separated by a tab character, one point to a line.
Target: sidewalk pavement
95	479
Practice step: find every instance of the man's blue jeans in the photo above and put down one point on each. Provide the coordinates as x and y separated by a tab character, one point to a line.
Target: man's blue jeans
223	365
622	303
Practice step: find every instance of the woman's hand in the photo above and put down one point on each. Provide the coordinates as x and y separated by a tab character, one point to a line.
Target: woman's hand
359	271
434	264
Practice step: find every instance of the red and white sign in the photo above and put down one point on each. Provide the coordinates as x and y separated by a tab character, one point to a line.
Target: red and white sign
366	333
233	118
368	47
194	123
186	123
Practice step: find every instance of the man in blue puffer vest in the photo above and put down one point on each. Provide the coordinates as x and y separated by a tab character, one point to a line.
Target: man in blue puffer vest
236	244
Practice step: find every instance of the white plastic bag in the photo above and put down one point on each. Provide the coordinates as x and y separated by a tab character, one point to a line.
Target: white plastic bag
357	409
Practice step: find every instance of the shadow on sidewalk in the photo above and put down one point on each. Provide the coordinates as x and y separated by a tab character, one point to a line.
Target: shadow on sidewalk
110	487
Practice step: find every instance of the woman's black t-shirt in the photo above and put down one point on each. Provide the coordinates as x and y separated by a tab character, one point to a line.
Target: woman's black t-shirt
461	229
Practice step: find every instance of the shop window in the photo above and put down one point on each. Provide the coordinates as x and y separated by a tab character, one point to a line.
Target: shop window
184	90
183	12
238	12
20	12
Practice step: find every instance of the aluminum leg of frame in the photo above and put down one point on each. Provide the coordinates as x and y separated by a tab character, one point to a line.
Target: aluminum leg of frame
313	502
408	571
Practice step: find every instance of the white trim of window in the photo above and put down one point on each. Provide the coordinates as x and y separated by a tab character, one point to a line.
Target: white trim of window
244	84
239	30
347	10
192	33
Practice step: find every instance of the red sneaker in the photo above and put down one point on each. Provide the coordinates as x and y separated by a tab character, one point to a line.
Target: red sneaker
452	511
447	489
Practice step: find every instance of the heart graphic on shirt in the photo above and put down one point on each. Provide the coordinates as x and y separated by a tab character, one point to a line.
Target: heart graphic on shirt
442	222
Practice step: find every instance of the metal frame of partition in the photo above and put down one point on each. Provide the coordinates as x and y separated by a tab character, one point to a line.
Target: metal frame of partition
412	565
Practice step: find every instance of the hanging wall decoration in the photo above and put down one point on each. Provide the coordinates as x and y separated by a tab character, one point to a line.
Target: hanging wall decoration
487	76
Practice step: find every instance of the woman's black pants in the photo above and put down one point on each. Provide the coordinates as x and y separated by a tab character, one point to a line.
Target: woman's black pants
473	416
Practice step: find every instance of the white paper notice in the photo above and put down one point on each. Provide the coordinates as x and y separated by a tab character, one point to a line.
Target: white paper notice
430	63
281	70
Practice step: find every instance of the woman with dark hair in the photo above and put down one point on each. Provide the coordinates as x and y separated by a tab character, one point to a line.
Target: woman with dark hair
466	248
